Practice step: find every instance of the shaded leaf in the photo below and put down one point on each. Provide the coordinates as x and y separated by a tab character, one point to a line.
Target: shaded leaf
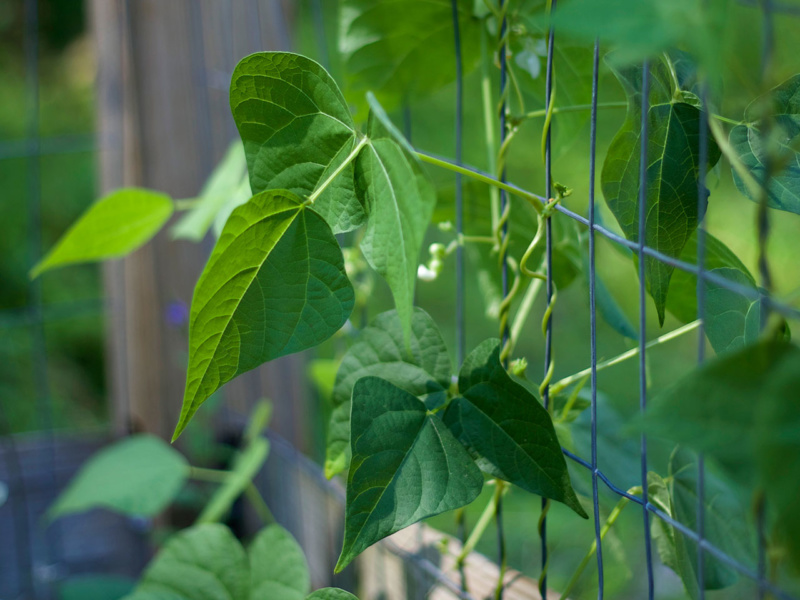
402	50
399	202
732	320
139	475
672	173
275	284
278	568
503	424
783	189
114	226
297	130
331	594
406	466
421	368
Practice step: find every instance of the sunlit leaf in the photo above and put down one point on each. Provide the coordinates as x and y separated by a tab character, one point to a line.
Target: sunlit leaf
405	466
278	568
275	284
422	368
139	475
297	131
111	228
507	429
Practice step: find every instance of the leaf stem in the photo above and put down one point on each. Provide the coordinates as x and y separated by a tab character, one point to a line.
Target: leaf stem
186	204
524	310
211	475
259	504
488	119
567	381
480	528
350	157
575	108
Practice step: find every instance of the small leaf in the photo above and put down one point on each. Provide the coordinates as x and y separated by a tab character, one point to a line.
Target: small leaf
399	202
114	226
139	475
403	50
422	369
246	466
223	186
672	173
507	428
406	466
204	562
297	130
278	568
783	189
275	284
331	594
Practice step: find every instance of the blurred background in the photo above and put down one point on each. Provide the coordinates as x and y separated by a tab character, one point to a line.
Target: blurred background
97	94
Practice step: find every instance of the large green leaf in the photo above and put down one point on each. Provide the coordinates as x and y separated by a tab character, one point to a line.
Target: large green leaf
275	284
405	466
783	189
204	562
403	49
331	594
278	568
421	368
112	227
742	410
399	202
503	424
139	475
672	172
297	131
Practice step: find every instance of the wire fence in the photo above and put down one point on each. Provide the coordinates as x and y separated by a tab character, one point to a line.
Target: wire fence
39	558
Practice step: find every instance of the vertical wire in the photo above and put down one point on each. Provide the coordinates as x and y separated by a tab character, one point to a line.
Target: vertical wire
643	318
593	317
548	340
461	344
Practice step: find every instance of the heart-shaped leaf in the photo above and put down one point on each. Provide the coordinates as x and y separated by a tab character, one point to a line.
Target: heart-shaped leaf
278	568
673	157
783	189
422	368
275	284
139	476
406	466
507	429
297	131
112	227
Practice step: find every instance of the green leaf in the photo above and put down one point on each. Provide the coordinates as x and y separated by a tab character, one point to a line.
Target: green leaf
406	466
246	466
275	284
94	587
732	320
139	475
223	186
114	226
403	50
204	562
297	131
672	173
783	189
507	429
399	202
331	594
278	568
422	368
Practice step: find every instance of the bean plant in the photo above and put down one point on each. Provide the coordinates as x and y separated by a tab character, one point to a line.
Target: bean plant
323	191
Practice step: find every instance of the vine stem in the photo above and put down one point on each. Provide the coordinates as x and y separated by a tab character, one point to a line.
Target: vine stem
259	504
524	310
480	527
567	381
211	475
350	157
575	108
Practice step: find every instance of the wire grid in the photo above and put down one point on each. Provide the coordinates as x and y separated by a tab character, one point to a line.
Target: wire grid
35	315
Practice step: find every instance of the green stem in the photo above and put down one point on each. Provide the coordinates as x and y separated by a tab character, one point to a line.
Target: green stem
532	198
524	310
488	121
350	157
673	75
480	528
576	108
727	120
211	475
259	505
567	381
187	204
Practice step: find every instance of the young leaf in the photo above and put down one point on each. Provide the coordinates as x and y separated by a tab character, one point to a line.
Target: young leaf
406	466
672	173
403	50
139	476
297	131
278	568
399	202
204	562
114	226
507	428
422	368
331	594
783	189
275	284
